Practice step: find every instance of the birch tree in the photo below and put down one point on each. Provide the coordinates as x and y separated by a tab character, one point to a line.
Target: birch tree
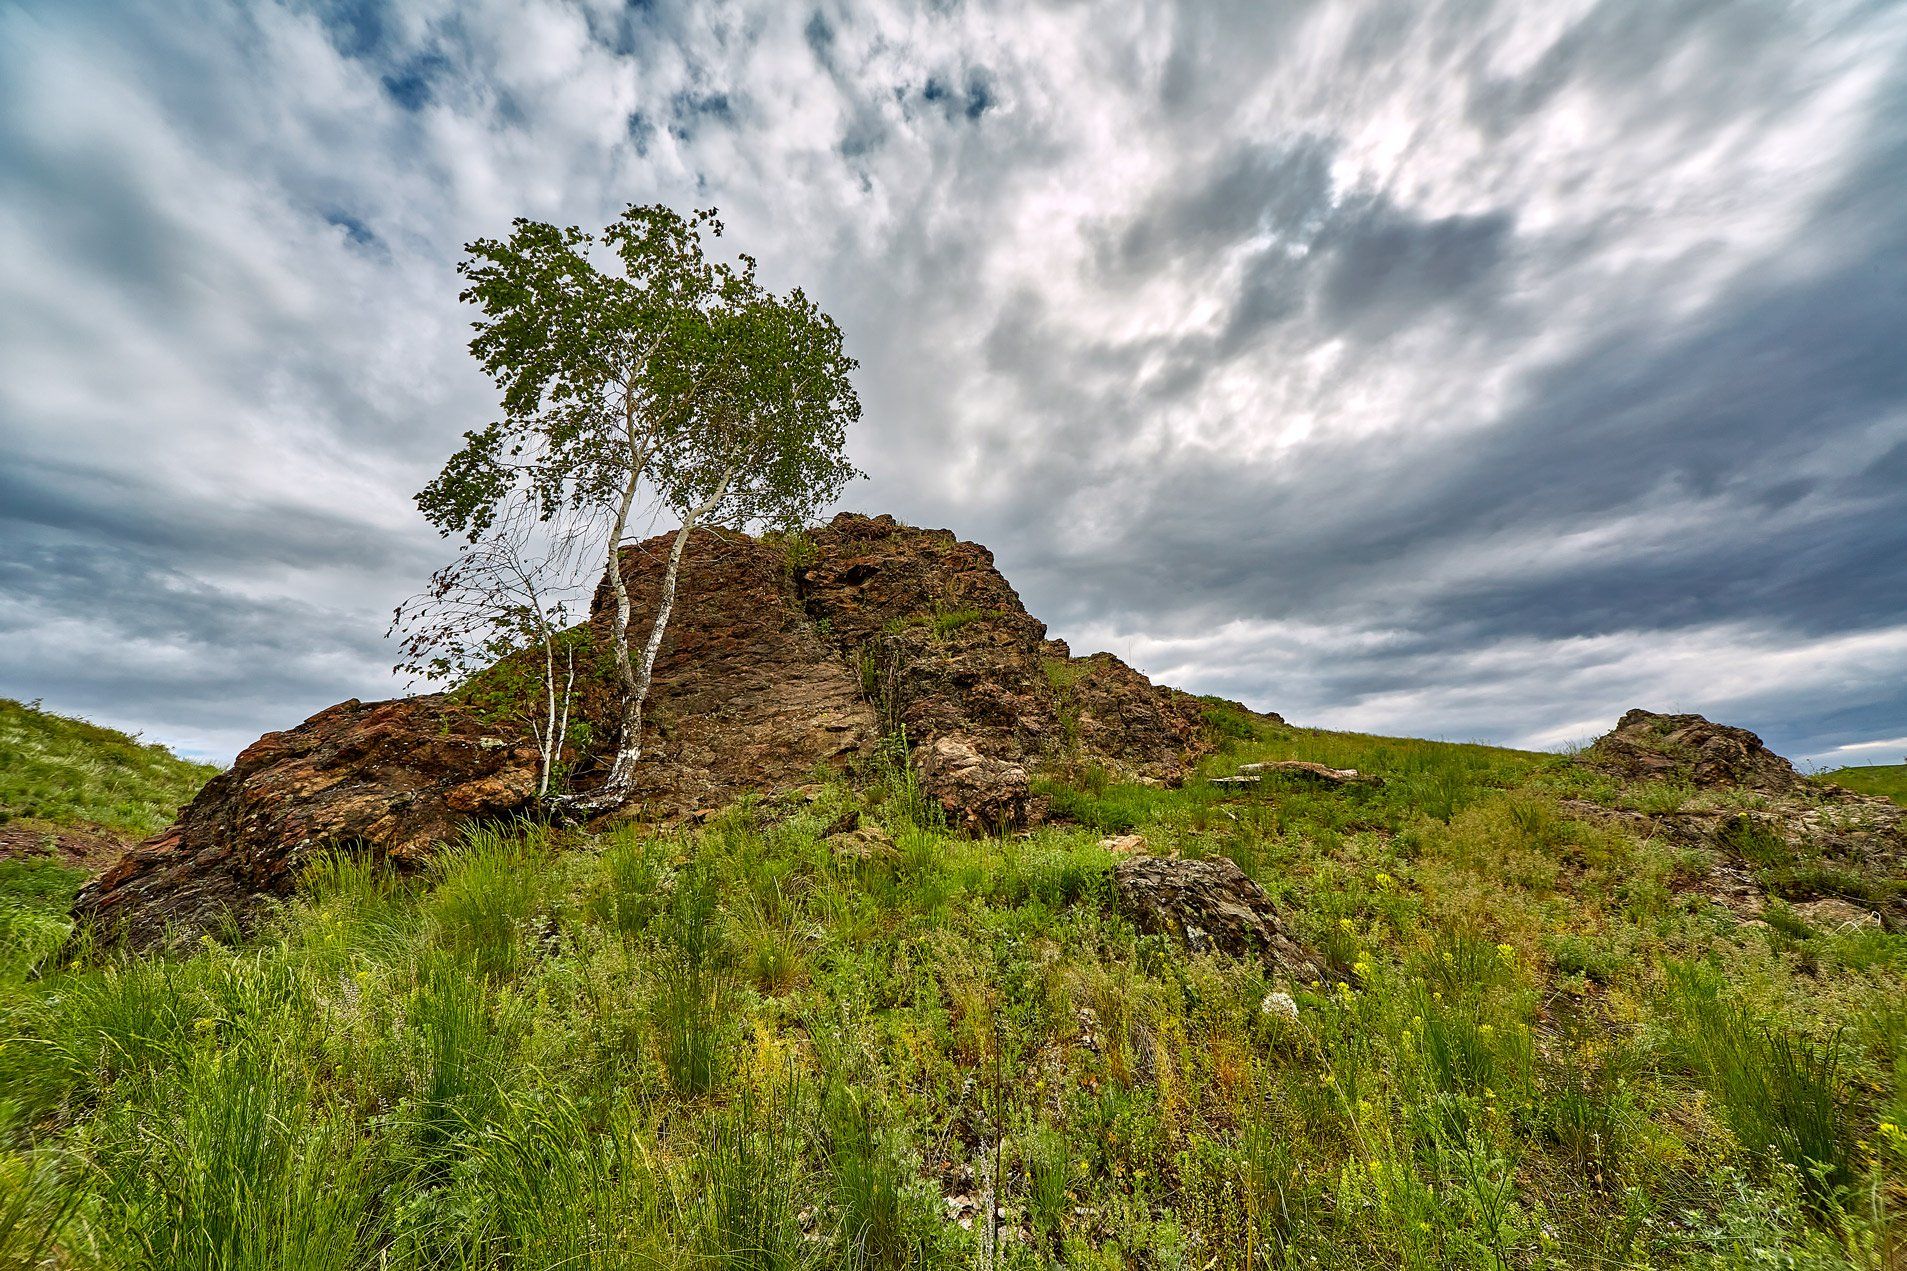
665	382
497	622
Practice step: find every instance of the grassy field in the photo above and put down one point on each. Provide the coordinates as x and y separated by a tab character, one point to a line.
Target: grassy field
741	1048
1889	779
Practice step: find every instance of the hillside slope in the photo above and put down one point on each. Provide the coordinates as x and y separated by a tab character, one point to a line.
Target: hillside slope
1888	779
74	796
821	1031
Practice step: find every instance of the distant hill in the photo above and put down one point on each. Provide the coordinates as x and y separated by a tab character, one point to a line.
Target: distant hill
1889	779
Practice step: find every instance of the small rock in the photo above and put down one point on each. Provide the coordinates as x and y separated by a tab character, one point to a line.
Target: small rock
1233	783
1305	770
864	843
1124	844
1834	914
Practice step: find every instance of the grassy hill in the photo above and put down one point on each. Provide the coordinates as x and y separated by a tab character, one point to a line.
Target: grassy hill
1538	1046
1885	778
71	794
67	771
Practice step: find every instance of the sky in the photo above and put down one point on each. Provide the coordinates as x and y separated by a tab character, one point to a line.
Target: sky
1450	368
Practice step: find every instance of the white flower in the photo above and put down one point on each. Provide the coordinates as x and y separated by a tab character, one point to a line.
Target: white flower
1280	1004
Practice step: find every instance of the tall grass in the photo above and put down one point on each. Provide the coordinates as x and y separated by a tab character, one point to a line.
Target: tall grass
731	1047
235	1171
1779	1093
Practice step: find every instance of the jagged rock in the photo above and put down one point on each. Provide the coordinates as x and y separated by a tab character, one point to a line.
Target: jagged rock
396	778
1646	746
1210	906
943	647
747	698
979	793
1119	715
1303	770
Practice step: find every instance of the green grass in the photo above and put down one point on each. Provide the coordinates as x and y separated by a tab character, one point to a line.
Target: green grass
1887	779
67	771
734	1048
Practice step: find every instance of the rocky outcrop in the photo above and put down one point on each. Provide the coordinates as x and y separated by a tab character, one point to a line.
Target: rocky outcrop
1768	830
944	649
1645	746
783	656
1210	906
748	696
398	777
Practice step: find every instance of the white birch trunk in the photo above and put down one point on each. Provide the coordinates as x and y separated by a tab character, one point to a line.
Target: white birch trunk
629	747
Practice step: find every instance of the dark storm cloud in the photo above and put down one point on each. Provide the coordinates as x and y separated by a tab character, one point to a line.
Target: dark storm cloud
1467	369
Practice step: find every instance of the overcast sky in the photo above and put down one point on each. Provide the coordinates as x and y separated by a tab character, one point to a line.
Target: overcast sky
1470	370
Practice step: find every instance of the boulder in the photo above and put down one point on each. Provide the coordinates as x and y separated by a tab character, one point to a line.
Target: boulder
980	794
1210	906
1645	746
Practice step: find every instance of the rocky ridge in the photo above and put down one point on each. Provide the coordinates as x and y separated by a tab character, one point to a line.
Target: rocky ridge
784	657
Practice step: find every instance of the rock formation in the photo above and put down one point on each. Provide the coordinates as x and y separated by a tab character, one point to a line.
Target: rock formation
783	656
400	776
1768	829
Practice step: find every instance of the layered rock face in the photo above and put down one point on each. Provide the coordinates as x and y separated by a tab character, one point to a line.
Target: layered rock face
1769	830
781	658
398	776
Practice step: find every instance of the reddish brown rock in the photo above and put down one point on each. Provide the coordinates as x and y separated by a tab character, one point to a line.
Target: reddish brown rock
396	778
782	657
944	648
1210	906
1120	717
82	846
747	697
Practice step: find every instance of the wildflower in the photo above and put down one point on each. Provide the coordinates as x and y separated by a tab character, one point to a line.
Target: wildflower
1346	924
1384	880
1508	952
1485	1030
1282	1005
